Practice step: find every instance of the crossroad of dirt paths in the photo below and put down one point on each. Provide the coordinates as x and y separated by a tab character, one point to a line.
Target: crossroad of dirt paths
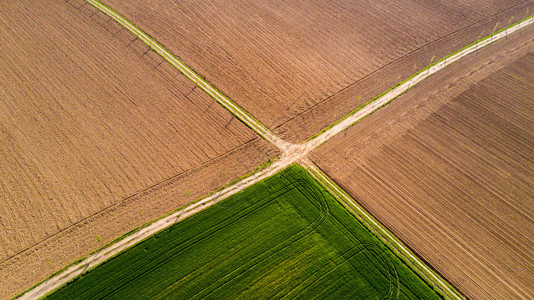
291	154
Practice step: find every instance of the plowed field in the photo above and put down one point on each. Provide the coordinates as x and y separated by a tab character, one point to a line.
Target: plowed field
277	59
449	168
97	136
282	237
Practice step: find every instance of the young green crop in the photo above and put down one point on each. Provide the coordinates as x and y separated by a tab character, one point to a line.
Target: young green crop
283	237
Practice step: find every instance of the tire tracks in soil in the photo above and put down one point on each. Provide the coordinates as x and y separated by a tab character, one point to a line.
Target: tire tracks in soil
291	153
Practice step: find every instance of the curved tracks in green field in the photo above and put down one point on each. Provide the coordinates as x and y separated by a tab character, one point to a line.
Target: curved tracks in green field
296	152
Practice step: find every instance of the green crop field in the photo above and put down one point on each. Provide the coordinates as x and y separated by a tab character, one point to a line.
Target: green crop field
283	237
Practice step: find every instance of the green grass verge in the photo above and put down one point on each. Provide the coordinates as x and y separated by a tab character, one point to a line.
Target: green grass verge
286	236
151	42
413	75
135	230
419	267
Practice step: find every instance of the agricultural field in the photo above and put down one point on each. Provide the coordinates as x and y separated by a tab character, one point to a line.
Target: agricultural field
298	68
98	136
284	236
448	167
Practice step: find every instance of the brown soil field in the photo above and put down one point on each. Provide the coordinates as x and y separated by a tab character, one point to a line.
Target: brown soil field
97	136
448	167
299	67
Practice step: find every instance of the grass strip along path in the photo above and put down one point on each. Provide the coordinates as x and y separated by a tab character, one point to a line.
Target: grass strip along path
386	236
237	111
291	154
286	236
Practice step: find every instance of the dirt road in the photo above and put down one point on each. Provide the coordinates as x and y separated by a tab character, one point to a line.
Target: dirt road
199	81
397	91
291	154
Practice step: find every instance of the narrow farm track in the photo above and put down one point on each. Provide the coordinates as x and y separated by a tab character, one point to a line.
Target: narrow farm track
380	230
399	90
291	154
199	81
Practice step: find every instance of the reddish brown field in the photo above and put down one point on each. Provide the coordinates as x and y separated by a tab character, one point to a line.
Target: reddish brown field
448	167
299	67
97	137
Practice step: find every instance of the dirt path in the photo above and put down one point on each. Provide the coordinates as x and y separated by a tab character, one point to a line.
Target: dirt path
291	154
237	111
397	91
380	230
95	259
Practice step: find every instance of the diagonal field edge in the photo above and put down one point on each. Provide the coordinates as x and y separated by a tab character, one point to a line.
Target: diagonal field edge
398	90
397	59
291	154
382	232
146	190
103	255
237	111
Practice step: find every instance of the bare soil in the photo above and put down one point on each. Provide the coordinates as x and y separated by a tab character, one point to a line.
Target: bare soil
448	167
98	136
298	68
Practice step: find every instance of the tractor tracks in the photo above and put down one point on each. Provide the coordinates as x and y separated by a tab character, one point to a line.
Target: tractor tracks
291	153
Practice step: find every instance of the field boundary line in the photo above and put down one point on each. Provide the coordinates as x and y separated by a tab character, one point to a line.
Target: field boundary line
144	191
336	127
232	107
91	261
400	88
401	57
382	232
290	154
